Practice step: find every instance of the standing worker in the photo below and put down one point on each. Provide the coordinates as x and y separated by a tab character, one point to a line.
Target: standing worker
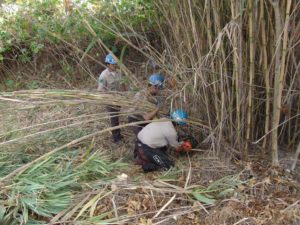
155	137
155	84
111	81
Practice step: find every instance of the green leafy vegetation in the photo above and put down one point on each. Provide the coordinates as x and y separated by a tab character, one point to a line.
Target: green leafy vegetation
38	24
219	189
51	185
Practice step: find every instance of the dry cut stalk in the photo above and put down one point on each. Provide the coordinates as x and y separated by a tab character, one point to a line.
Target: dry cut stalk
165	206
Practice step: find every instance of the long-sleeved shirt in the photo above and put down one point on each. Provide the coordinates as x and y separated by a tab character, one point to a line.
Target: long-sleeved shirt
109	81
159	134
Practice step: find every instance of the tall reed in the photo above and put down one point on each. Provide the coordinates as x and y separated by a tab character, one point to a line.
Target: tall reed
230	58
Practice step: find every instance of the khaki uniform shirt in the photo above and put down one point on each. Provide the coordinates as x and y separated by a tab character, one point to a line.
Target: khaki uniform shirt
159	134
109	81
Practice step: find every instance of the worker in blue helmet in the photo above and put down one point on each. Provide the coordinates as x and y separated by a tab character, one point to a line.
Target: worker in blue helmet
157	80
109	59
110	80
149	96
179	116
154	138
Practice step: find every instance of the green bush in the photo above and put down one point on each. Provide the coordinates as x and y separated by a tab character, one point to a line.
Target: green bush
44	22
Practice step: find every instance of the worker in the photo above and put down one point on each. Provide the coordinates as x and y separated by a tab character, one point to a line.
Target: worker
150	95
155	84
155	137
111	81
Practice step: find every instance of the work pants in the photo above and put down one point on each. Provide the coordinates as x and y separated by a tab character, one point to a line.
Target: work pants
114	121
152	159
136	129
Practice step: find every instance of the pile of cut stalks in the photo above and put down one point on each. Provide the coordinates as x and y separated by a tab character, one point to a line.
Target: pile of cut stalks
58	166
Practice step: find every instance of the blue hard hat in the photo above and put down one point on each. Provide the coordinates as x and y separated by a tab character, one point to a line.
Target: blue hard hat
180	116
157	79
110	59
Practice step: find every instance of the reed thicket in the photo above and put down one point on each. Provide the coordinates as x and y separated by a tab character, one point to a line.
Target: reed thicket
235	65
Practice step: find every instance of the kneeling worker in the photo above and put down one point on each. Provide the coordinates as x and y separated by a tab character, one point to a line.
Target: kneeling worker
155	137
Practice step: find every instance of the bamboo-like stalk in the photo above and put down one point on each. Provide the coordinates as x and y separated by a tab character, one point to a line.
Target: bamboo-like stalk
210	42
194	30
276	112
212	64
217	30
222	71
217	21
239	8
236	74
265	72
279	73
251	75
290	100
